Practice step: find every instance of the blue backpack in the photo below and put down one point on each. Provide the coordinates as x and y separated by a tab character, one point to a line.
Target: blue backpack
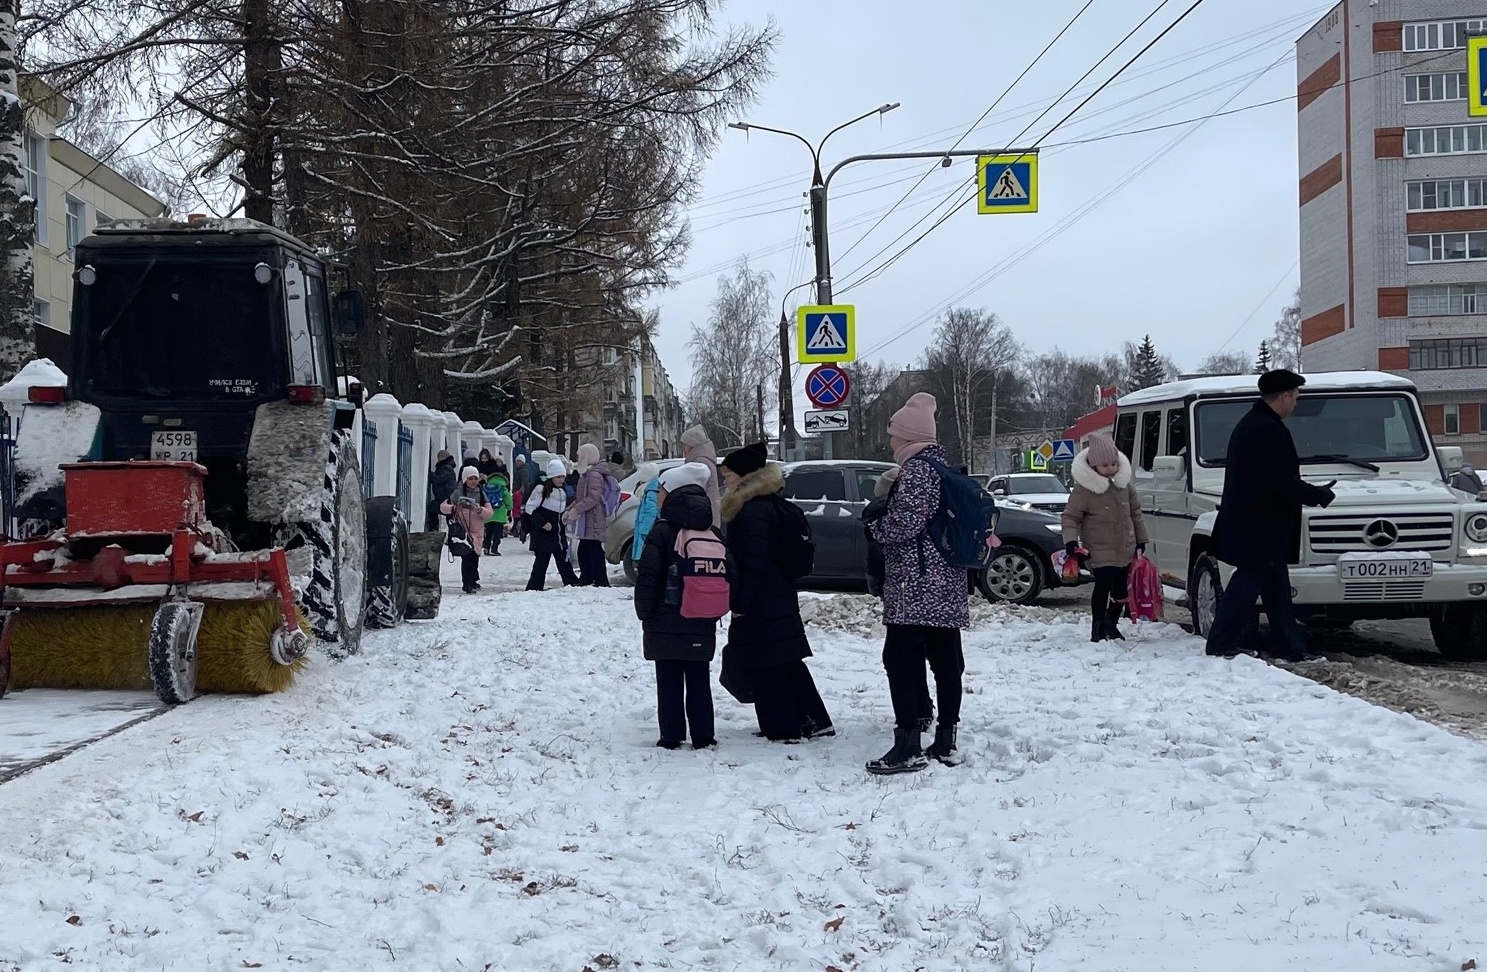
962	527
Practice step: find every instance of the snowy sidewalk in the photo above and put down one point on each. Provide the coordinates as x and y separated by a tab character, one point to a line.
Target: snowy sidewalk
483	792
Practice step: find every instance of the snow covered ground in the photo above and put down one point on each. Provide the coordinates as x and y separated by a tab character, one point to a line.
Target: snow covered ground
483	792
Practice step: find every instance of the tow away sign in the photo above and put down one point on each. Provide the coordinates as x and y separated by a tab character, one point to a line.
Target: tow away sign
831	420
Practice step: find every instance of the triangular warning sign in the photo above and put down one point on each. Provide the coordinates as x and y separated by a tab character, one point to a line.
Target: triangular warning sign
1008	186
827	337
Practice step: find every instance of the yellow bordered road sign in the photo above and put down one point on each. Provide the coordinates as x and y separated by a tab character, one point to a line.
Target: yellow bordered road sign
826	333
1476	76
1007	183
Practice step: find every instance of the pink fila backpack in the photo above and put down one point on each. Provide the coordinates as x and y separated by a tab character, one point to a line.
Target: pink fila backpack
702	566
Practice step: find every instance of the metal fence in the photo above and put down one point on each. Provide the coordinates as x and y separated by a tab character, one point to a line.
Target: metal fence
405	472
368	456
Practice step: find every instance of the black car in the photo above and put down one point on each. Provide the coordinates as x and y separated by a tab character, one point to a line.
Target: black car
833	492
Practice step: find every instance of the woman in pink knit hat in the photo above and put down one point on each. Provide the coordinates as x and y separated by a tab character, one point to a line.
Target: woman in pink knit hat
925	598
1105	513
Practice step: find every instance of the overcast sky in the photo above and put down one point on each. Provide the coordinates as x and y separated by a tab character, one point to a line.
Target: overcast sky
1198	248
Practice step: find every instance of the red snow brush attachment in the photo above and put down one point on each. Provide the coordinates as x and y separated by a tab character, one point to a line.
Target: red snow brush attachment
46	395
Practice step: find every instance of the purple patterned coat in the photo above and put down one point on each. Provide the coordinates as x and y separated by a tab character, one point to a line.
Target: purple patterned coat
920	587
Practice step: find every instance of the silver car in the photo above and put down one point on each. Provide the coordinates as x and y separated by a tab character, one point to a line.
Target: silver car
621	533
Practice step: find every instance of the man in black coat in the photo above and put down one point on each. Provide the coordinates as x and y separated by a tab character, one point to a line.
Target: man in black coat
1259	521
766	636
682	648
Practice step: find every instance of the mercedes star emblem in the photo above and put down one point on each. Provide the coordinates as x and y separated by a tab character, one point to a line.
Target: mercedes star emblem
1380	534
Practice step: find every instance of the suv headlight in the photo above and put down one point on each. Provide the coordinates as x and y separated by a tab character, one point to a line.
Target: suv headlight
1476	527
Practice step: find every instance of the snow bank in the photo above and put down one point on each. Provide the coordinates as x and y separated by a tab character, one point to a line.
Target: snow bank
40	373
483	792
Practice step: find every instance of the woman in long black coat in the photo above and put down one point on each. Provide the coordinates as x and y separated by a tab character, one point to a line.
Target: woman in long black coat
682	648
766	637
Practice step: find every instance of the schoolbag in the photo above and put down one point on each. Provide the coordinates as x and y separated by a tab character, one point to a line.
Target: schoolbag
702	567
966	521
1144	590
795	554
611	495
495	493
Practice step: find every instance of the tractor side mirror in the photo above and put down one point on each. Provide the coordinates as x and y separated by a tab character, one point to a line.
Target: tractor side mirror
350	313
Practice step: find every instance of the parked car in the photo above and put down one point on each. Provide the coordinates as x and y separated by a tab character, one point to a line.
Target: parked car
617	539
833	492
1041	491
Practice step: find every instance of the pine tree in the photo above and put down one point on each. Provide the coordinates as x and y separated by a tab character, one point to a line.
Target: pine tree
17	208
1262	363
1148	369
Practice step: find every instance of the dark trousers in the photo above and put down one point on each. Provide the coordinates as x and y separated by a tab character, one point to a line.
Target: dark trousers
493	533
905	651
541	558
470	569
786	701
684	696
1236	625
1110	584
592	571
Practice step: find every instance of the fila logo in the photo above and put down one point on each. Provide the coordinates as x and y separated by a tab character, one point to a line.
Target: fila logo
702	565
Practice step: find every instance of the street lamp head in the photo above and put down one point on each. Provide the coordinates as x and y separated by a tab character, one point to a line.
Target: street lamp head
888	107
741	126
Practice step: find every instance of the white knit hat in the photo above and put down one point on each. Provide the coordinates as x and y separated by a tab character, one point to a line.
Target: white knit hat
687	474
556	467
469	472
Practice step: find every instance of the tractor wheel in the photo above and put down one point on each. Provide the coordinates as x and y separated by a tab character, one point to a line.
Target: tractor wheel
173	651
387	563
335	591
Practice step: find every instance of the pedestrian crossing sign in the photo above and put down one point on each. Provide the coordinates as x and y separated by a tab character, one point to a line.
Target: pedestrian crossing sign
1476	77
826	333
1007	183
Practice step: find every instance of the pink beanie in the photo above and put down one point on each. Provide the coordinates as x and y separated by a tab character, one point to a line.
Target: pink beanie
915	422
1102	450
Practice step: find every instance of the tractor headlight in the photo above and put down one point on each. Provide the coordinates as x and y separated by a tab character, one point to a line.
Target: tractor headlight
1476	527
87	276
263	273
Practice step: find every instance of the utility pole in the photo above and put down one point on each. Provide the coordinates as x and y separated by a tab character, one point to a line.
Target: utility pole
820	186
759	399
787	391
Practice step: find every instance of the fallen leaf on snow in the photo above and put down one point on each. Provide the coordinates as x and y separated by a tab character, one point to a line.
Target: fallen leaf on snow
252	965
568	848
431	887
195	817
606	961
240	855
531	888
74	919
1468	965
832	968
438	841
849	825
834	924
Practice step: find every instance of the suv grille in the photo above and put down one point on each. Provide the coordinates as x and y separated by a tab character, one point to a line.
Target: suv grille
1340	534
1391	590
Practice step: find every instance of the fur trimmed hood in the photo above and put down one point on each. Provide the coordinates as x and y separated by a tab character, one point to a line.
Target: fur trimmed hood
760	482
1085	475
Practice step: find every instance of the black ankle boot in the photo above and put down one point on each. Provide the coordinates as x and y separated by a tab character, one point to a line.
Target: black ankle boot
943	748
1112	629
904	757
1097	627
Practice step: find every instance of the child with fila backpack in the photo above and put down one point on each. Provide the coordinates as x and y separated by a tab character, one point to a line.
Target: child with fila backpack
681	590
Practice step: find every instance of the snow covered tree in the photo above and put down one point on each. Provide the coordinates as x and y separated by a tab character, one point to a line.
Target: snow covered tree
735	352
970	350
17	209
1285	344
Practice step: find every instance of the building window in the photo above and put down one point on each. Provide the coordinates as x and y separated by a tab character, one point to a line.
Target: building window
1451	420
1447	35
1441	354
1448	86
1437	299
34	150
42	310
1445	194
1447	247
77	218
1445	140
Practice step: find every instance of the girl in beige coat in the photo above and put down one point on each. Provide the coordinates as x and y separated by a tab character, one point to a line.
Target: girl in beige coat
1105	514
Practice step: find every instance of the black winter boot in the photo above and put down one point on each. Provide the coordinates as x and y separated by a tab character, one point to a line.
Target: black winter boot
943	748
1096	627
904	757
1112	630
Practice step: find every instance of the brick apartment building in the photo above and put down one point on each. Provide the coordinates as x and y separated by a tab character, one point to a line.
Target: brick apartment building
1394	204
